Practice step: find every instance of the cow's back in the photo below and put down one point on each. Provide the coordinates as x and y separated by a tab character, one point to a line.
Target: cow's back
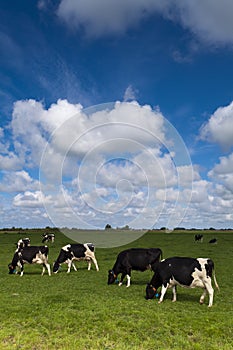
178	268
139	258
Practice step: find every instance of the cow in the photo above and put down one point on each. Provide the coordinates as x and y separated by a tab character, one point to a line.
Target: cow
213	241
23	242
48	237
198	237
77	251
140	259
30	255
185	272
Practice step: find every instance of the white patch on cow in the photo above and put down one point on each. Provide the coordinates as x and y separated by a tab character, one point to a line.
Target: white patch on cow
66	248
128	281
41	259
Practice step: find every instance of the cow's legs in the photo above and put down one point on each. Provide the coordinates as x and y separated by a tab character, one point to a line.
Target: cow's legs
89	265
96	264
48	268
202	298
163	292
210	291
122	278
174	293
69	262
46	265
74	267
128	280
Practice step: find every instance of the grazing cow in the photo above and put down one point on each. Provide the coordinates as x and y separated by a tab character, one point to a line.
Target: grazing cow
48	237
213	241
140	259
77	251
185	272
198	238
30	255
23	242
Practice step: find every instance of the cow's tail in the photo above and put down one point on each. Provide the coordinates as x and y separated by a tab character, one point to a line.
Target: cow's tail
215	281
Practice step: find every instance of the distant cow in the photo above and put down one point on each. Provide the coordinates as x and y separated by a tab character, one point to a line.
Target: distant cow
140	259
185	272
23	242
213	241
77	251
30	255
48	237
198	238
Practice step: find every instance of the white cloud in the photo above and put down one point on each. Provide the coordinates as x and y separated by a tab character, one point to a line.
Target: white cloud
209	20
223	172
10	162
102	17
18	181
130	93
31	199
219	129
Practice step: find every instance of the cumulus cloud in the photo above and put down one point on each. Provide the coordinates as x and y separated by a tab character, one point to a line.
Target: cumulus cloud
121	163
223	172
219	129
31	199
209	20
18	181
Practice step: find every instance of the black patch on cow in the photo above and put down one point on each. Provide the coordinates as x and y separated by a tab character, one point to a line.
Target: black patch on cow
178	268
209	267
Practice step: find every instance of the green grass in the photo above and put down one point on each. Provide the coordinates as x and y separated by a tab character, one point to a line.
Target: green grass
80	311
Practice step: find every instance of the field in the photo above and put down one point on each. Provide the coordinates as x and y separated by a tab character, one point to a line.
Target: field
80	311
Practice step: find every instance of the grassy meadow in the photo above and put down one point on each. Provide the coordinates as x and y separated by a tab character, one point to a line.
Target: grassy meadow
80	311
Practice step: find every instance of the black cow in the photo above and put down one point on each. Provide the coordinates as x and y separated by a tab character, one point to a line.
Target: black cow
48	237
77	251
213	241
30	255
198	237
140	259
185	272
23	242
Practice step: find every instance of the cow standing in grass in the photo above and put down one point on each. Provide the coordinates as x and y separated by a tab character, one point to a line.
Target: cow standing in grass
30	255
198	238
48	237
71	252
140	259
184	272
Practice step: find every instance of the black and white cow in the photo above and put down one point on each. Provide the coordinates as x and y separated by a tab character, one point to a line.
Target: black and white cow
30	255
77	251
198	237
48	237
140	259
185	272
23	242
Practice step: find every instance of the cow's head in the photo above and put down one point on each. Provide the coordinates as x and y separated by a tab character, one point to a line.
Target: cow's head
12	269
111	277
150	291
56	267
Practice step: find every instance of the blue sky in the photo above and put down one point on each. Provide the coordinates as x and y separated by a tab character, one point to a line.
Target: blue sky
157	148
